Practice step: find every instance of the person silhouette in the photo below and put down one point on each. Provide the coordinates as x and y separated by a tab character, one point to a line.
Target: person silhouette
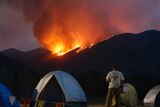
115	79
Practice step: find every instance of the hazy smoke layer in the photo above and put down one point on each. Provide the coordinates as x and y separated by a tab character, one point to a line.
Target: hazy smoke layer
14	31
94	19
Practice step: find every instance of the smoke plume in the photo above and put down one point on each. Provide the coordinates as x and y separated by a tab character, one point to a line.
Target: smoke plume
83	22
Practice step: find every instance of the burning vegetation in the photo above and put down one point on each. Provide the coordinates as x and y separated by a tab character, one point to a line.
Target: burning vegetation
63	25
64	32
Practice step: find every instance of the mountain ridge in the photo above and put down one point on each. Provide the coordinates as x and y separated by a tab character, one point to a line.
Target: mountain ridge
137	56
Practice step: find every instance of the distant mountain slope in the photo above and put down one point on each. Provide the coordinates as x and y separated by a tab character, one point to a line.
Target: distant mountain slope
135	54
138	57
132	52
20	79
13	53
29	57
12	74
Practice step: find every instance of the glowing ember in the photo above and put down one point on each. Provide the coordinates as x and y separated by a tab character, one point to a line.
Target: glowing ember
61	47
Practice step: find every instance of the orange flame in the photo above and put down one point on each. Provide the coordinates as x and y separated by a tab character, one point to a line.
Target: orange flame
70	33
60	46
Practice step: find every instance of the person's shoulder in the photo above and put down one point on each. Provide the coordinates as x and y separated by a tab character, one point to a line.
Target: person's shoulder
117	71
109	72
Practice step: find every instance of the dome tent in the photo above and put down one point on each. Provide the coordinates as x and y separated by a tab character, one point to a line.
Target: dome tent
6	97
129	96
59	87
152	97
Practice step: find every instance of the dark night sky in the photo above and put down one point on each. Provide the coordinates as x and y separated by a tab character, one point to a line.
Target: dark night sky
114	16
15	32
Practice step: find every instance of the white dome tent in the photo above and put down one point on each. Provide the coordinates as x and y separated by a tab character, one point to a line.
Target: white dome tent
129	96
59	87
150	98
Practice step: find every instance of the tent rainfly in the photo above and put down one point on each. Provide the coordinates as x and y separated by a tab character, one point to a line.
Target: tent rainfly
129	96
149	99
58	87
6	97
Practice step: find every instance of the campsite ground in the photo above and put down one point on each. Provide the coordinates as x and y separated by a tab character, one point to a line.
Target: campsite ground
96	102
100	102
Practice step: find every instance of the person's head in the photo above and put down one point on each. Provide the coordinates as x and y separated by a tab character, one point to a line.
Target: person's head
114	67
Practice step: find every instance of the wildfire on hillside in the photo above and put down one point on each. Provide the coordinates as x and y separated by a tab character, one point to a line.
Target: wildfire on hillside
65	34
60	47
63	25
